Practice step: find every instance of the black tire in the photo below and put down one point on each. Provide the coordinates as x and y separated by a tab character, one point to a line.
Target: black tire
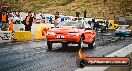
91	45
116	34
49	46
80	43
64	45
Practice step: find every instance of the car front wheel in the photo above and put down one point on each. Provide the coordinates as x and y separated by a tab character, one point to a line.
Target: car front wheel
49	46
91	45
64	45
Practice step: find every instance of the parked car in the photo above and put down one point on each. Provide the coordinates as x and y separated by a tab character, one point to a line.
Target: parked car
71	32
123	30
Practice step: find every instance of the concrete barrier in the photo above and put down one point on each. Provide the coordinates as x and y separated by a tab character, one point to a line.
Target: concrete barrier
22	36
5	36
39	30
113	25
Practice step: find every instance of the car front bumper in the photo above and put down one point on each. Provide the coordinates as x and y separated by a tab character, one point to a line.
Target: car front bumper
122	33
66	39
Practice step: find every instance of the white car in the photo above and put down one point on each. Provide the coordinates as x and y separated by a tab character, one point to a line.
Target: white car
123	30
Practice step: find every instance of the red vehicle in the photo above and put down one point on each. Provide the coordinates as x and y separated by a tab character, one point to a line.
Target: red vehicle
71	32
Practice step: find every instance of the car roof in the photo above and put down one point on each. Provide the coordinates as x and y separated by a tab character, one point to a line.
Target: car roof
123	25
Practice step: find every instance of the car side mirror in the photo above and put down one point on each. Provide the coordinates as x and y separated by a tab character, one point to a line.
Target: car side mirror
52	27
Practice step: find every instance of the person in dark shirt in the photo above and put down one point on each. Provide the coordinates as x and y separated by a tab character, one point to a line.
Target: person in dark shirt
0	20
107	25
28	22
85	13
34	16
50	19
97	26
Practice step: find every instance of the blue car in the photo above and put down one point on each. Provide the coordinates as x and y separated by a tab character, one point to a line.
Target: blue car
123	30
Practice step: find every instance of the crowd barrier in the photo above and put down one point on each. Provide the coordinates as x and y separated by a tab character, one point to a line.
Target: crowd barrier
113	25
22	36
39	30
19	27
5	36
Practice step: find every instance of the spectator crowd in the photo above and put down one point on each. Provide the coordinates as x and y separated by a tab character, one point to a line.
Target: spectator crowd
7	20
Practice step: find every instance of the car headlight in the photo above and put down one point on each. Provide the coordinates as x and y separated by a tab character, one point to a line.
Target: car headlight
73	34
128	31
50	33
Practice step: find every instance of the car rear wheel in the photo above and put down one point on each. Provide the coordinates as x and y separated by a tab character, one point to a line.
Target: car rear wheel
49	46
80	63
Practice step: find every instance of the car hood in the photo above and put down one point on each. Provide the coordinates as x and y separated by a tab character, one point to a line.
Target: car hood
65	30
120	30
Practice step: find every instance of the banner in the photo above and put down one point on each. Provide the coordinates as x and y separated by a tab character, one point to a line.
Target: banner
5	36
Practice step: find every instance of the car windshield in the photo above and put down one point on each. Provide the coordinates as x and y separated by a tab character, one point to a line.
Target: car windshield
123	27
101	21
70	23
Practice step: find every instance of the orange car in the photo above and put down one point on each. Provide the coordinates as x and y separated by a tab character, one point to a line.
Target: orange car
71	32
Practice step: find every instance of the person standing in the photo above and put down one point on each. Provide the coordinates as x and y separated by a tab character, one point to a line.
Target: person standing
11	27
18	14
0	20
107	25
85	14
29	21
4	21
98	26
18	17
21	20
62	19
56	20
50	19
56	16
34	16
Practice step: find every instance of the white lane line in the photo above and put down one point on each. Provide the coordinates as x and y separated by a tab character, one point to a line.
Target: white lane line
120	53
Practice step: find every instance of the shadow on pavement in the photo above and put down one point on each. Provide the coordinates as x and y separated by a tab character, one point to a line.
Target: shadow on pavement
67	49
70	49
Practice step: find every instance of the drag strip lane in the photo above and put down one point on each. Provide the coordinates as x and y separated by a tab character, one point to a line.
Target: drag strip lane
33	56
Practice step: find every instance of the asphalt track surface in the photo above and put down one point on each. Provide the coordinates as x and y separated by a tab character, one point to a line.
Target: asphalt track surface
33	56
